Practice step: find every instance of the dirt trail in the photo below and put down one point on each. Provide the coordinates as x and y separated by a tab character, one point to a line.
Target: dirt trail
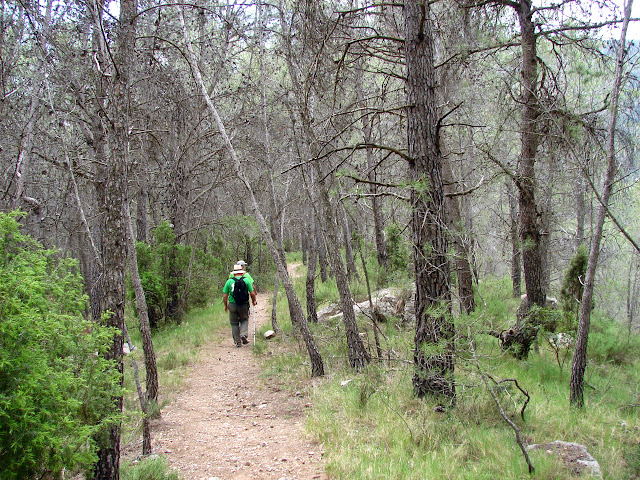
226	424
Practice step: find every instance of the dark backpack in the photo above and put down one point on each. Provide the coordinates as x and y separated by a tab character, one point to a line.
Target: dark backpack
240	291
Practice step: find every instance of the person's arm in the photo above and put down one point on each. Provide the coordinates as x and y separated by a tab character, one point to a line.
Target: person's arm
225	300
253	297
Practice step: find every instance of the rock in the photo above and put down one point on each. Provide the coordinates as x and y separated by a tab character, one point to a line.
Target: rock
390	302
269	334
573	455
550	302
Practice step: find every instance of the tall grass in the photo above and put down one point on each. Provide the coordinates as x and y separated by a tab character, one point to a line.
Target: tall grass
373	427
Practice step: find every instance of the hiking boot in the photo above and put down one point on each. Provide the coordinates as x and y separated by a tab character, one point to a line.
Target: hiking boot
238	344
244	339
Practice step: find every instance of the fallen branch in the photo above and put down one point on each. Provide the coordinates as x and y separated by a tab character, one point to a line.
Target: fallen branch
515	428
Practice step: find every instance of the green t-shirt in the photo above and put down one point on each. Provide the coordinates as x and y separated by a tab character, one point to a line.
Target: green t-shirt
228	286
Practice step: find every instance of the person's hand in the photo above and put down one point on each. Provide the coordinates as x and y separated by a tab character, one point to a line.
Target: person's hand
226	308
255	302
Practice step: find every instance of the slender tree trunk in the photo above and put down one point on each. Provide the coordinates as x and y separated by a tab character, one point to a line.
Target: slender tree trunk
457	235
434	348
358	355
580	211
312	259
143	317
516	256
579	362
352	269
321	247
297	315
274	305
304	244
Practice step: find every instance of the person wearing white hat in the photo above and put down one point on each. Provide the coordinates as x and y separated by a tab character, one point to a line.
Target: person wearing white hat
236	293
247	275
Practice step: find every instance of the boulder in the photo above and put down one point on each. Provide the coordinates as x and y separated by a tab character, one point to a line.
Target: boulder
574	456
386	303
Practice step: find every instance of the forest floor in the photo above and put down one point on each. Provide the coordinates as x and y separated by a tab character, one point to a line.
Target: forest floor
228	423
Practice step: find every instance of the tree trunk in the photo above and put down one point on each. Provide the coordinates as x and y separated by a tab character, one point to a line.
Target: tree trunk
274	305
114	241
523	334
516	254
530	234
143	317
352	269
321	247
434	370
358	355
458	237
312	259
297	315
580	211
579	361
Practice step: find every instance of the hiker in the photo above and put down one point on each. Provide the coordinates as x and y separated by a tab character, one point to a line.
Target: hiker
237	292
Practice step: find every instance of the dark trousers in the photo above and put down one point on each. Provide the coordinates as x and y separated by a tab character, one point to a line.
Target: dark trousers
239	320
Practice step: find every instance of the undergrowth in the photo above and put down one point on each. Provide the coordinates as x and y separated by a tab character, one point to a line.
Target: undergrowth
372	426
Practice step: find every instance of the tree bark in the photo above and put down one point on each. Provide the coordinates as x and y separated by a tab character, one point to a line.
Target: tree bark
458	237
434	370
579	361
274	305
312	260
516	253
352	269
530	229
580	211
357	353
114	241
143	317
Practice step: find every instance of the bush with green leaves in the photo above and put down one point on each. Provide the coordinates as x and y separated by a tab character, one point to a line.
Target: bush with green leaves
398	250
162	266
55	385
572	286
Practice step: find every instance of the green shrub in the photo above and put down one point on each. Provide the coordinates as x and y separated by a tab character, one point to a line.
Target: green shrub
163	267
152	468
55	386
609	343
572	287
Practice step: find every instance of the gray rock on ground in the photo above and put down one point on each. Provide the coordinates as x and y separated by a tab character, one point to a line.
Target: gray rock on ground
574	456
